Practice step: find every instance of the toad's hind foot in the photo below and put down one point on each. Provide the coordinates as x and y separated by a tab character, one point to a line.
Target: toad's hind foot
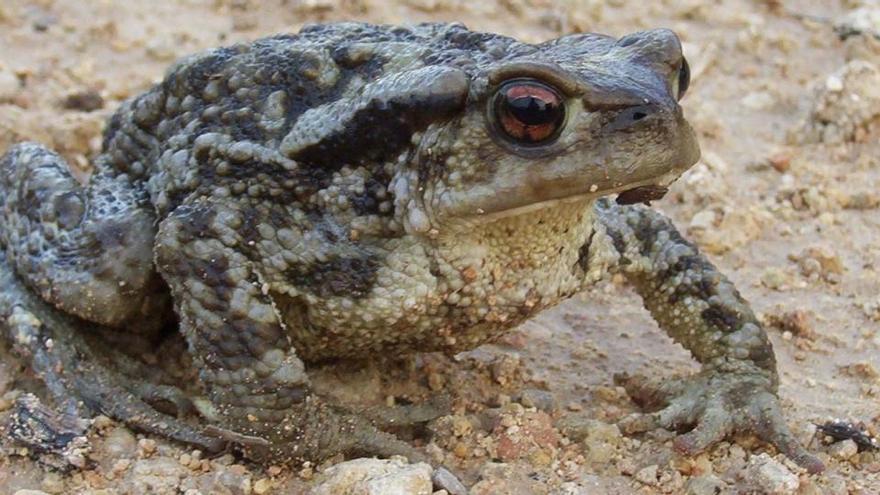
316	431
391	418
76	381
714	405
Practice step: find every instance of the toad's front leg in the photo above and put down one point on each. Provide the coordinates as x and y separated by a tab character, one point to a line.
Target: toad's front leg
702	311
253	376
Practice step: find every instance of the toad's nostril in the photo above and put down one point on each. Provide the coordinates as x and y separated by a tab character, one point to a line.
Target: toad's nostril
632	116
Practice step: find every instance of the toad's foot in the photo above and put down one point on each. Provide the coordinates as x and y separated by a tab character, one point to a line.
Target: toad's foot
716	405
393	418
315	430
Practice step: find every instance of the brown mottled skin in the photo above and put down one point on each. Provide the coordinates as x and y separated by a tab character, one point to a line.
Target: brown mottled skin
354	190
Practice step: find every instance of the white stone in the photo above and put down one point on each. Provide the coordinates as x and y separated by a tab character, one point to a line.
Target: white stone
376	477
703	220
648	475
771	476
834	83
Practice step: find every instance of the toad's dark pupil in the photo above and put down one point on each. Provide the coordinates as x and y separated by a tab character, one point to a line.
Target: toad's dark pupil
529	112
534	111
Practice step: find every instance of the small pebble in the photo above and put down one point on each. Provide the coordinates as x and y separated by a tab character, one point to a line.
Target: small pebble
540	399
446	481
53	483
774	278
704	485
780	161
262	486
647	475
147	446
771	476
102	422
834	83
844	450
703	220
120	465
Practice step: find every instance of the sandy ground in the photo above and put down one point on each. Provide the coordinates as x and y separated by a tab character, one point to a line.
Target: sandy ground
785	201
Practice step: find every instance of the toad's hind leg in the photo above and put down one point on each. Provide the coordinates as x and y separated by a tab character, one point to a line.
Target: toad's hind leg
248	364
86	250
78	383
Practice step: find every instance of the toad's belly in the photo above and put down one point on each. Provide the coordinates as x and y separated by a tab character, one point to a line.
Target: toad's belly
449	324
450	294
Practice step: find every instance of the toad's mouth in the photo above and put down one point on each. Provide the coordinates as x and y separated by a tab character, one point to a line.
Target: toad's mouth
511	204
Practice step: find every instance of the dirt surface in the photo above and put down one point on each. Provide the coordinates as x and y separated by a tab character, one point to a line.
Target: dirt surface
785	200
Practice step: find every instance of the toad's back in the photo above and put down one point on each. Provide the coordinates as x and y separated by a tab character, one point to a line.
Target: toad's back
256	92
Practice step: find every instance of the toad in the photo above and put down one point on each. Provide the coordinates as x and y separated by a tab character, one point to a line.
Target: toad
356	190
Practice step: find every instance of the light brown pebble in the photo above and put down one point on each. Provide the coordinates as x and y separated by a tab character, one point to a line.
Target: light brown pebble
120	465
238	469
780	161
53	483
147	446
102	422
262	486
307	473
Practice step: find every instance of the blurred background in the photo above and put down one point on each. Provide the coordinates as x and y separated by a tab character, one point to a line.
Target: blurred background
786	101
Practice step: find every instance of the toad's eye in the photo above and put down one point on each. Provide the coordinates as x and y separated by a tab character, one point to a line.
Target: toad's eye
528	111
684	78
